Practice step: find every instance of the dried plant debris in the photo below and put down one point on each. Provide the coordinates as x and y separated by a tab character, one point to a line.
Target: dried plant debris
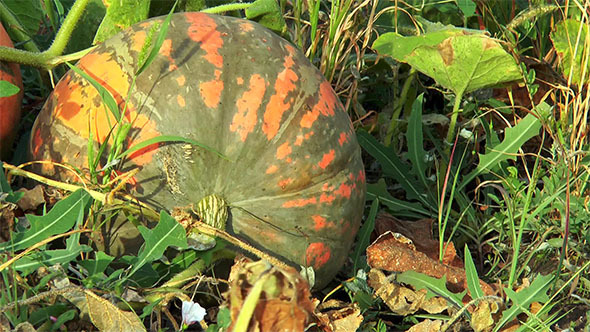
390	254
338	316
267	298
403	300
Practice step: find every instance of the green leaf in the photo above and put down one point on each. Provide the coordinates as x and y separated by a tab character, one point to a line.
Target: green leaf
6	192
514	138
168	232
398	207
536	292
364	237
97	265
462	62
60	219
472	278
435	287
570	41
37	259
415	136
29	13
467	7
8	89
393	167
105	95
268	13
169	139
120	15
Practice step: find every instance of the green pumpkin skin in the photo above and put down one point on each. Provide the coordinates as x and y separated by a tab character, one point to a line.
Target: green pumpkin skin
293	177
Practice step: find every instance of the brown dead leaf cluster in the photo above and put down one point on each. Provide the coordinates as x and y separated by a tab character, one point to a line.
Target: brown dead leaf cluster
283	302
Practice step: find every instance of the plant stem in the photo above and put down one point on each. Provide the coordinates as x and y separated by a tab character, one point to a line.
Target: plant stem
454	116
65	31
32	56
399	107
226	8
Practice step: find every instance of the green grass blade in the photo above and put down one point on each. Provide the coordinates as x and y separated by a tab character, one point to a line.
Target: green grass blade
105	95
159	41
472	277
364	237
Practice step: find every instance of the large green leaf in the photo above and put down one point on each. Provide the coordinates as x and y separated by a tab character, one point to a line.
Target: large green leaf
570	39
60	219
267	13
514	138
120	15
521	300
167	233
8	89
32	262
456	59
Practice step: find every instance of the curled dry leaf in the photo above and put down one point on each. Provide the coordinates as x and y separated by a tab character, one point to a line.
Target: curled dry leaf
32	198
338	316
284	303
481	319
389	254
402	300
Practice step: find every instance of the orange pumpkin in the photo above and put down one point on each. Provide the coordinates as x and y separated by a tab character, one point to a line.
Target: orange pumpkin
10	107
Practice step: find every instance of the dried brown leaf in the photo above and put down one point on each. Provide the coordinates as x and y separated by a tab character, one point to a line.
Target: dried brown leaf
338	316
481	319
284	304
103	314
32	198
389	254
403	300
427	326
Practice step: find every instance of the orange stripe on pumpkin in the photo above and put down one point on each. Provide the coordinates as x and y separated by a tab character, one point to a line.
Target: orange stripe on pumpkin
327	158
203	29
301	202
317	255
278	103
246	118
283	150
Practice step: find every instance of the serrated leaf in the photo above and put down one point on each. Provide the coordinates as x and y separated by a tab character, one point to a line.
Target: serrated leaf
415	137
60	219
462	62
168	232
398	207
8	89
471	275
570	39
435	287
103	314
536	292
37	259
120	15
514	138
393	167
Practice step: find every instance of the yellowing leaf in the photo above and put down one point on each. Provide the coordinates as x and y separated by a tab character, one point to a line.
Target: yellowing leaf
571	41
456	59
103	314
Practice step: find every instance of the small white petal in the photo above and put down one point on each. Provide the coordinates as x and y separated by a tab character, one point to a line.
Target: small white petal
192	312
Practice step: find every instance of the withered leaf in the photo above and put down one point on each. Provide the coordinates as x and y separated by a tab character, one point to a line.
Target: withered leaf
388	254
